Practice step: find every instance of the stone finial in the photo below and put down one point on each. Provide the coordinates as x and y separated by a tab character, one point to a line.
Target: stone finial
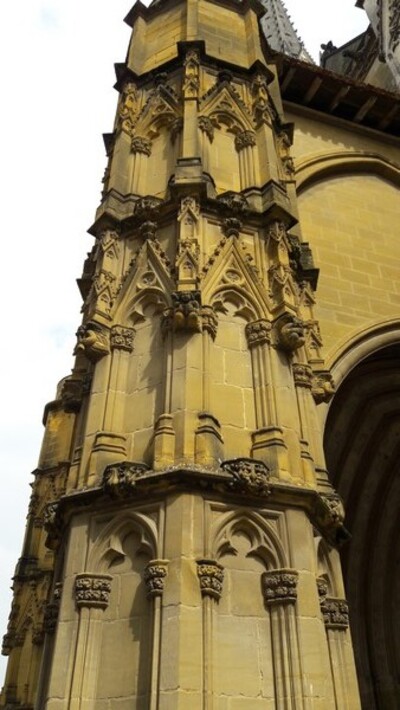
92	590
280	586
154	576
211	576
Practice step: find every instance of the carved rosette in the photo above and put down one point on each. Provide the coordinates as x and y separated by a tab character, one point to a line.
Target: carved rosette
92	591
335	613
249	476
302	375
121	338
323	386
211	577
154	576
258	333
120	479
280	586
245	139
52	610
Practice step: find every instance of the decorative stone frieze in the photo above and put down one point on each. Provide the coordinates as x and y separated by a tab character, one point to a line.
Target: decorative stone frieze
335	613
93	341
92	590
142	145
290	333
280	586
154	576
185	313
258	333
211	577
302	375
121	338
323	386
120	479
249	475
245	139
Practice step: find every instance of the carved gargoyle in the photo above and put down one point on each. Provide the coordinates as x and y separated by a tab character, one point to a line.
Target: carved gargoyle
290	332
93	341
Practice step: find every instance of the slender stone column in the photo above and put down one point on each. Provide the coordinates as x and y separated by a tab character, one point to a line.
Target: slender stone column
154	576
280	595
92	595
211	577
335	613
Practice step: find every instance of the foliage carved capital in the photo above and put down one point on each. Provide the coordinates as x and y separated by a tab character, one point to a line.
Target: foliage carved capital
154	576
280	586
303	375
120	479
258	333
335	613
211	577
122	338
92	590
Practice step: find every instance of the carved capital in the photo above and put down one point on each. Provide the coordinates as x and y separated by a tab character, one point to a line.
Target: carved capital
154	576
120	479
93	341
206	126
244	139
258	333
335	613
280	586
209	320
211	577
142	145
323	386
121	338
92	590
302	375
249	475
290	333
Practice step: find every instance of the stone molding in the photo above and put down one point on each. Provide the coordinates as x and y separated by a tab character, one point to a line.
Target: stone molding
280	586
154	577
211	577
92	591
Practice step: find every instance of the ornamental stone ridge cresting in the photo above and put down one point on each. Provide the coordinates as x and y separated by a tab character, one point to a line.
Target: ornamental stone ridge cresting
182	546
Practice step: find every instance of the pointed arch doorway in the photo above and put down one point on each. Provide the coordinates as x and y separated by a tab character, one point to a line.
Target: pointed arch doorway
362	446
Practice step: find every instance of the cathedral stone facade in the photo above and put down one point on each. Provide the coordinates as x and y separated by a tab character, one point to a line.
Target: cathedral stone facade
235	390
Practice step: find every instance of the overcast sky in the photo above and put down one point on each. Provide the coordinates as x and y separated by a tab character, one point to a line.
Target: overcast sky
57	61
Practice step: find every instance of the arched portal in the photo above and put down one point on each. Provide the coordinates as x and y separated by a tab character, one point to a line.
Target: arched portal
362	445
